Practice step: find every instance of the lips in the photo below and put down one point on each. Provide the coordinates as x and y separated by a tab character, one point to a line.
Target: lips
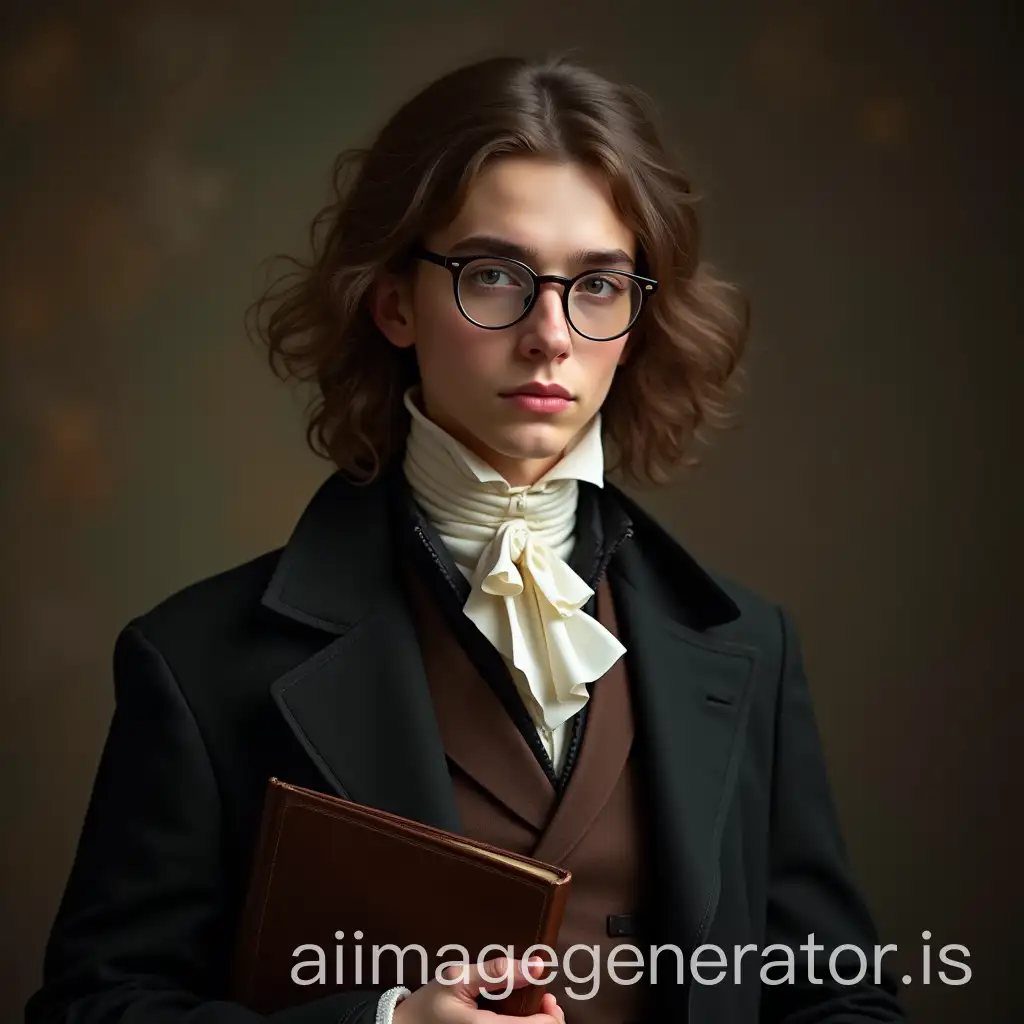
543	390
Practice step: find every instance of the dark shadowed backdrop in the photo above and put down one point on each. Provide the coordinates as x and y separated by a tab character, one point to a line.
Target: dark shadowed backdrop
856	160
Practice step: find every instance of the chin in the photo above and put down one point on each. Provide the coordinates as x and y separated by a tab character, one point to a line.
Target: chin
536	441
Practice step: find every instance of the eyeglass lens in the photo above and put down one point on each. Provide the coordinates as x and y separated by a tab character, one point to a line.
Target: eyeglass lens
495	292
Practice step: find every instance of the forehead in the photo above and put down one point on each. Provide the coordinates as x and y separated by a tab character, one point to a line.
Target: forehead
555	208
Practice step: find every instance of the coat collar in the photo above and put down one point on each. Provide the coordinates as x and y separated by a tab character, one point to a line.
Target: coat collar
341	559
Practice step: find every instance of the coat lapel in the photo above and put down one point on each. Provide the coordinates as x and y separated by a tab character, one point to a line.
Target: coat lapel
691	697
360	706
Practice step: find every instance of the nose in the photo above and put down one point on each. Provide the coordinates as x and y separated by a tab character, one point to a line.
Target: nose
545	331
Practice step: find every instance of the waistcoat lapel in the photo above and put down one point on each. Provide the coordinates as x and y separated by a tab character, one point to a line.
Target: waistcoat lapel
482	740
477	732
607	740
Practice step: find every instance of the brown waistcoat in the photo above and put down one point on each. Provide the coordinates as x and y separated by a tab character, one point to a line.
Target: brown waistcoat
505	798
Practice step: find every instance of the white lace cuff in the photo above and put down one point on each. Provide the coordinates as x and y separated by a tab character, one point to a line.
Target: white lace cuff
388	1001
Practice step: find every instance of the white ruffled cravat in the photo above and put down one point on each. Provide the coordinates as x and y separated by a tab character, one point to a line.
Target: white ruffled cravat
511	542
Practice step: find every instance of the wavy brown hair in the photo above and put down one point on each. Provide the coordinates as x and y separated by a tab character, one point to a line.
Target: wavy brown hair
315	320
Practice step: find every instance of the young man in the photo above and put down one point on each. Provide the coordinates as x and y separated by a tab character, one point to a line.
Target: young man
470	625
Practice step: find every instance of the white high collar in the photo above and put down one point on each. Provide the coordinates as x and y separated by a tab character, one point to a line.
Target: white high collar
511	544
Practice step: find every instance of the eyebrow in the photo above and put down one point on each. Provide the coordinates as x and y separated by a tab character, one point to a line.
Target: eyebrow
491	245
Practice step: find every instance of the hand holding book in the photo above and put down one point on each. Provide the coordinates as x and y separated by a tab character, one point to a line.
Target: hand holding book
437	1003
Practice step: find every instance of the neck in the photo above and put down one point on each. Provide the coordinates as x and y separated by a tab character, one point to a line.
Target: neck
517	472
476	464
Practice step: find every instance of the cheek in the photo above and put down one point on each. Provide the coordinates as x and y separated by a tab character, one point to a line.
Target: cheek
451	350
604	361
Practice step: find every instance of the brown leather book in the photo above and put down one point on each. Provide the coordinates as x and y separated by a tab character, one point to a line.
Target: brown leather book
340	878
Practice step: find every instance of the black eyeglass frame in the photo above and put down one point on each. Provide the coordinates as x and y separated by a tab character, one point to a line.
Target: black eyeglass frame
455	265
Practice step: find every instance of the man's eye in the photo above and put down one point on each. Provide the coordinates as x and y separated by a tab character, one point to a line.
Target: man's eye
493	276
600	285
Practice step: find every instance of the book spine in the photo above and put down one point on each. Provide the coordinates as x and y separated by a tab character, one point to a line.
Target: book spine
525	1001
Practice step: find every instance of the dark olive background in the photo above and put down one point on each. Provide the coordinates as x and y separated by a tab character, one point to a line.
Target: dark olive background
857	163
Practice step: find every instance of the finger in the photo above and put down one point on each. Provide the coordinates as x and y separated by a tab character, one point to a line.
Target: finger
537	1018
494	974
549	1005
549	1013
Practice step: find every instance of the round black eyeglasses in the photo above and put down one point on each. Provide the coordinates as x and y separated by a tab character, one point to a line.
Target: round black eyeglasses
495	292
